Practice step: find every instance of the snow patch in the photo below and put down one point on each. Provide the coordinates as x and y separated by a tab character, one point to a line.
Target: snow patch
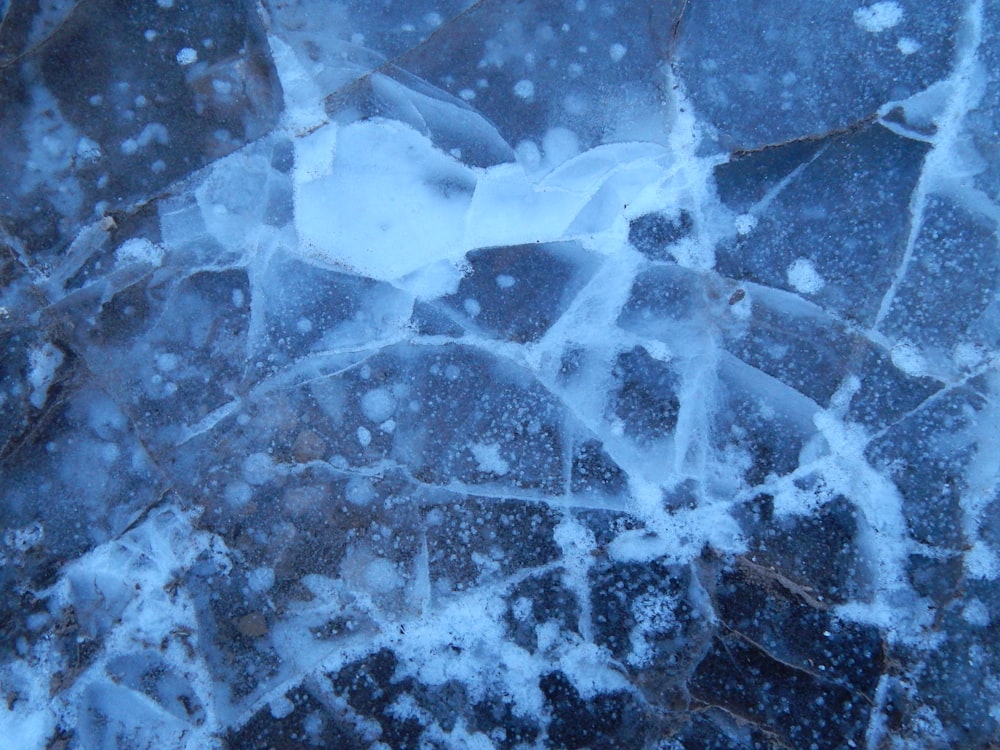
908	358
524	89
745	223
378	404
42	365
139	250
803	276
187	56
879	17
488	458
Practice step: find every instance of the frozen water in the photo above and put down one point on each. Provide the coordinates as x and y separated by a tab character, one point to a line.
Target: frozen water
499	375
781	74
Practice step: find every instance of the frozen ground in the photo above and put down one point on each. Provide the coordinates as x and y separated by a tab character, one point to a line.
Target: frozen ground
537	374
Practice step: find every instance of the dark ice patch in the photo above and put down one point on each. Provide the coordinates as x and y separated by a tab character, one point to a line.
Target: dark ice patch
652	234
841	213
776	73
517	292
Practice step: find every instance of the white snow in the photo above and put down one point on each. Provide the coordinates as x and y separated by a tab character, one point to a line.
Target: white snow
43	361
524	89
378	404
745	223
381	209
488	458
471	307
187	56
803	276
29	722
139	250
258	468
879	17
908	358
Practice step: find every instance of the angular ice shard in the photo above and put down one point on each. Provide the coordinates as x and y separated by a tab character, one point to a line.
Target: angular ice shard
103	110
943	300
593	70
834	205
517	293
377	198
984	115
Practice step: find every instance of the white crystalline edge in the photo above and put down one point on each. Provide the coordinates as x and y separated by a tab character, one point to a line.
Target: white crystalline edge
132	573
388	221
945	165
983	484
945	104
882	537
303	109
907	358
394	226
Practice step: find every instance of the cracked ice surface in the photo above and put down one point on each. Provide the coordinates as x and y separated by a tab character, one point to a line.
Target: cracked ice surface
499	375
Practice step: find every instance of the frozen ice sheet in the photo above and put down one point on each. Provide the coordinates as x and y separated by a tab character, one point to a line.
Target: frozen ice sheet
543	374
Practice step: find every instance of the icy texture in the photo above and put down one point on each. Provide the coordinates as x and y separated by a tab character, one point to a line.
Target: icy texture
499	375
781	73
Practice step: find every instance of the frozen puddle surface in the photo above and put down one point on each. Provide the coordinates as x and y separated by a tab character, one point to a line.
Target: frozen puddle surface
500	375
